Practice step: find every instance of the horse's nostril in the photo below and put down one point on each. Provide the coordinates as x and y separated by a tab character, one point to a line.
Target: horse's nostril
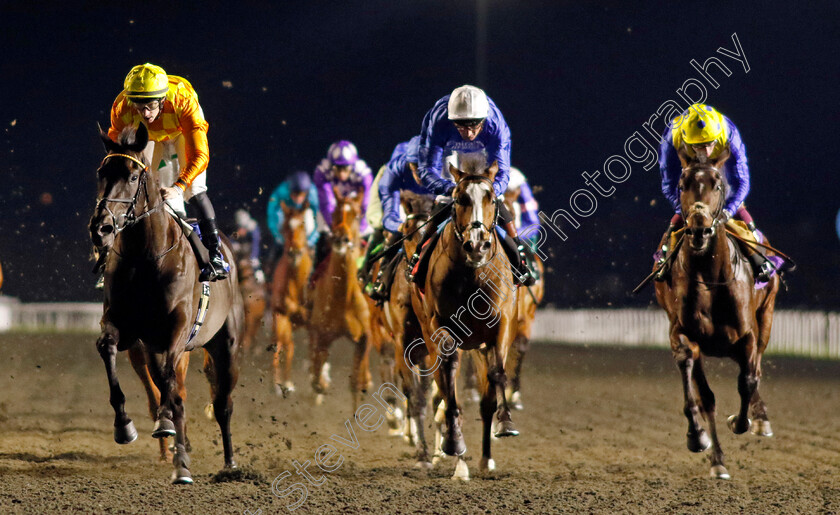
485	246
468	246
105	229
707	231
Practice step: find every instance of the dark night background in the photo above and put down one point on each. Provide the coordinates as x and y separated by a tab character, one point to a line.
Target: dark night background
279	81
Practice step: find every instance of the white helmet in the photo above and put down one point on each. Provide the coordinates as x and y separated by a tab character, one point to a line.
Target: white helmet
468	103
517	179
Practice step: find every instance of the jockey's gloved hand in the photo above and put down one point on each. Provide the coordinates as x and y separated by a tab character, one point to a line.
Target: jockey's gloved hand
259	276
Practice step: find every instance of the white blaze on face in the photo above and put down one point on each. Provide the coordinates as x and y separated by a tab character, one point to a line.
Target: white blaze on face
476	193
294	223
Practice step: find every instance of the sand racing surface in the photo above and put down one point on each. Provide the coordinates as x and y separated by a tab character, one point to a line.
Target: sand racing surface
602	431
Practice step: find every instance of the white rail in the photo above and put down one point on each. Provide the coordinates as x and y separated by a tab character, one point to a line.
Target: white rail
814	334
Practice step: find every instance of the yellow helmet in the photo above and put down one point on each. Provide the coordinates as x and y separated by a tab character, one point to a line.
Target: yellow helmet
701	124
145	82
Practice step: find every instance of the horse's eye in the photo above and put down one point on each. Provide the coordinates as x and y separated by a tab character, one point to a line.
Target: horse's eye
134	178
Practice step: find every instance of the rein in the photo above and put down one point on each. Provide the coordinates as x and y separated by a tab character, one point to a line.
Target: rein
129	217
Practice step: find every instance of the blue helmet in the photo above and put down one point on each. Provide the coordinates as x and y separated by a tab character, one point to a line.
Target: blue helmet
299	182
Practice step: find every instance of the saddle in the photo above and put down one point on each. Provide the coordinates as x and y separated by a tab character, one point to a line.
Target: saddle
190	228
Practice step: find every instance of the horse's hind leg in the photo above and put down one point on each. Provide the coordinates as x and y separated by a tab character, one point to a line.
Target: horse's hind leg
170	420
222	352
180	384
137	356
516	355
387	367
707	400
106	344
318	353
360	376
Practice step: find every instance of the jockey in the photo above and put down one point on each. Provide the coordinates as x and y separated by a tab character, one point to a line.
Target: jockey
468	121
296	192
343	170
247	237
704	130
383	214
168	106
525	206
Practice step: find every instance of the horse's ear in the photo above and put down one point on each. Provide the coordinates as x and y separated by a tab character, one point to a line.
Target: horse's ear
141	138
337	194
110	146
683	156
722	158
456	173
493	170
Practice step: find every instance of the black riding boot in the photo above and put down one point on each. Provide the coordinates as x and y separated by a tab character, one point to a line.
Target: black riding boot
518	252
218	268
762	267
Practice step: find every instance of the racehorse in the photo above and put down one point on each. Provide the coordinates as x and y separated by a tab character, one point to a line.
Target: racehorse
469	277
152	298
715	310
339	306
288	289
253	295
528	302
403	328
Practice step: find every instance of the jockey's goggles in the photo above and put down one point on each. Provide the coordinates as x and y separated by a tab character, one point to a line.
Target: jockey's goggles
468	124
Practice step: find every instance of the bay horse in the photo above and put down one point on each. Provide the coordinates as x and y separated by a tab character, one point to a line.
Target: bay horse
469	277
253	295
714	310
152	296
339	307
403	329
288	291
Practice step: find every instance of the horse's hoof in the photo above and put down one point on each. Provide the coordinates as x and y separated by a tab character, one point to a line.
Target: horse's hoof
719	472
761	428
698	442
125	434
516	401
181	476
505	428
453	447
163	428
732	422
208	411
319	399
487	465
462	471
423	465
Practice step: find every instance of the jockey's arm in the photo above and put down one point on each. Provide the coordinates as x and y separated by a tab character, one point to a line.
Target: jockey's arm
502	157
390	199
367	182
530	207
430	157
326	197
274	215
669	170
194	131
739	180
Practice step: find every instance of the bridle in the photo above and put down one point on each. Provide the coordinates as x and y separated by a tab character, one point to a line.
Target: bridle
716	220
129	218
475	224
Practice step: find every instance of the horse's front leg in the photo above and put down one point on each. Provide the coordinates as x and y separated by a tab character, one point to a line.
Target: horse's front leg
707	401
170	421
747	382
452	440
696	438
106	344
360	376
137	356
498	380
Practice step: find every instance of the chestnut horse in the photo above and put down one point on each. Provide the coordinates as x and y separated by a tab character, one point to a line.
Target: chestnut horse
253	295
528	302
288	289
469	279
715	310
152	296
339	306
403	329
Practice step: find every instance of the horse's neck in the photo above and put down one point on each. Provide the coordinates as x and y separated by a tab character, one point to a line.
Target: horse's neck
714	264
154	234
343	267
